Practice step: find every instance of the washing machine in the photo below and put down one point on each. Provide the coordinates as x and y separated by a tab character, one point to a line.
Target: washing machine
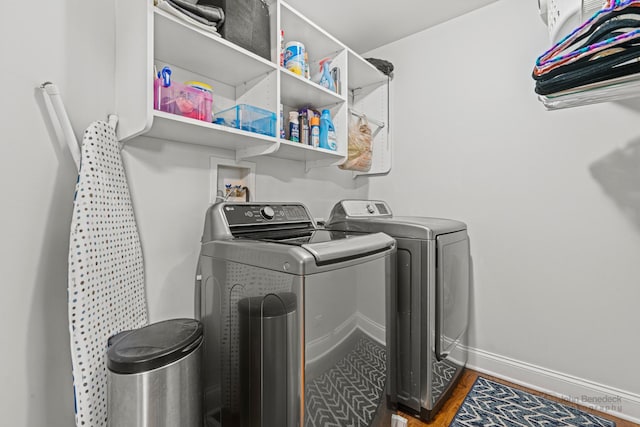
298	327
432	298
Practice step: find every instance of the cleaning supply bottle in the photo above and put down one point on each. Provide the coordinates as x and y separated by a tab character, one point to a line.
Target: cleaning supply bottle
294	130
327	132
326	80
303	127
315	132
294	57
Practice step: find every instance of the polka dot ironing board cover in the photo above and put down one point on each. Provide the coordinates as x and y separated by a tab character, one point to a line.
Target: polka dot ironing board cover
106	277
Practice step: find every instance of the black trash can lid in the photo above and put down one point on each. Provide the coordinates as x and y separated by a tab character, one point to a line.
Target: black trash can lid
153	346
271	305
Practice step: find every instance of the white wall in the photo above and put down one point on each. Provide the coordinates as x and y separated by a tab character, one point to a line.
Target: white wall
72	44
48	42
170	190
550	198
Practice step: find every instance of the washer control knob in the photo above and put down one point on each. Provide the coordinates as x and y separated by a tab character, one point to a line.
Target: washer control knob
370	209
267	212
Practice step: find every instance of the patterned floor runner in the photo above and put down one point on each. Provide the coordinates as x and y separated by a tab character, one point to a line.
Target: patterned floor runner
491	404
443	373
348	394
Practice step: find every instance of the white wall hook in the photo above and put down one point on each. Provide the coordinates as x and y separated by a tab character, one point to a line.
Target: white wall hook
113	121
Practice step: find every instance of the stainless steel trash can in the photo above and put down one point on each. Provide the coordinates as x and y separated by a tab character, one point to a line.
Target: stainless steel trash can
154	376
269	367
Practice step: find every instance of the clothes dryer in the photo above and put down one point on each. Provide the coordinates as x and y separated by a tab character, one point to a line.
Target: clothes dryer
432	298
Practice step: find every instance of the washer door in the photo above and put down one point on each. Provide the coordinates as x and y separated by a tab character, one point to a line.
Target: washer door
348	329
452	291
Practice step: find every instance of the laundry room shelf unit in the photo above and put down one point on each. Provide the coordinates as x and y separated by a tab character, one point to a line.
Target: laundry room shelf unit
297	92
148	39
369	95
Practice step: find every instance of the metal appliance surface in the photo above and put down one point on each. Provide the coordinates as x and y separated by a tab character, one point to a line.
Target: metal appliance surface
154	376
285	307
432	298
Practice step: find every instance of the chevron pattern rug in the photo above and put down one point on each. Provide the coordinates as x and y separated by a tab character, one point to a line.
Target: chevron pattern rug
490	404
349	393
443	372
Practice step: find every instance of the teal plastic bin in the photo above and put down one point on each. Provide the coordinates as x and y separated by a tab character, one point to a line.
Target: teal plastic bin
249	118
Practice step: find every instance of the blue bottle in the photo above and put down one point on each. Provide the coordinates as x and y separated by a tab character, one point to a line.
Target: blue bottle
326	80
327	132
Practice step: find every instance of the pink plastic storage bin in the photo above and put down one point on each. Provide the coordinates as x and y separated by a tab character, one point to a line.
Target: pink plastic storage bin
182	100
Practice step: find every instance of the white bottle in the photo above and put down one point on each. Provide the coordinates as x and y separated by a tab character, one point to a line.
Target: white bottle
294	129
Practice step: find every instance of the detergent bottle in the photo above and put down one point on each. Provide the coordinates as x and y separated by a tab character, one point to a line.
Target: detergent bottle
327	132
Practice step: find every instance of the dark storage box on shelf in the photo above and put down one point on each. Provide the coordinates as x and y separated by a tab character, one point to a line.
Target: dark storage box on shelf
246	24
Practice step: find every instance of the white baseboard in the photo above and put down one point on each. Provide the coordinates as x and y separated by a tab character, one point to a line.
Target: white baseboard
616	402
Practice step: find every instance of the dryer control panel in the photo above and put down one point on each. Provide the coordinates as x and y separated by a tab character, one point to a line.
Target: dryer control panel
365	208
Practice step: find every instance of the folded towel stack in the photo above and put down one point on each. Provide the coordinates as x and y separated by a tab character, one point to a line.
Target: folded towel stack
205	17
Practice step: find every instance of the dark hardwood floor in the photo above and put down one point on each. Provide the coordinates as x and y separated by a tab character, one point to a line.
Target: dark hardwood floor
448	411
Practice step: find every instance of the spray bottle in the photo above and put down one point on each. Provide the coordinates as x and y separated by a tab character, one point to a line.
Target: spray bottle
325	79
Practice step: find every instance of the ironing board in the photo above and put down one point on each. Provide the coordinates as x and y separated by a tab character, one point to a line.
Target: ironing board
106	277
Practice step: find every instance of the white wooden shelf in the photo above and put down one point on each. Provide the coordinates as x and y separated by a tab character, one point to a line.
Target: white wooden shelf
311	156
173	127
204	53
298	151
317	42
362	73
299	92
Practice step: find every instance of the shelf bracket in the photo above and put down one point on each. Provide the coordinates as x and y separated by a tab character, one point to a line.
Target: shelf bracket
310	164
259	150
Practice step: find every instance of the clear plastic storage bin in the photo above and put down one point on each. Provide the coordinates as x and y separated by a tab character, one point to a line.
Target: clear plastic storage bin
249	118
182	100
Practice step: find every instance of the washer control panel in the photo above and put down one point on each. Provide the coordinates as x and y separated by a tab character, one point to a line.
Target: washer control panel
366	208
247	214
267	212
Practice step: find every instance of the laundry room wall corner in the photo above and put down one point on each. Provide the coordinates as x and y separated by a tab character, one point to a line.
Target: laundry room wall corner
64	43
546	196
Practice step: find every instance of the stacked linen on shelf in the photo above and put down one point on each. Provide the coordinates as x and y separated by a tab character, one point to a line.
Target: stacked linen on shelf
598	61
205	17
